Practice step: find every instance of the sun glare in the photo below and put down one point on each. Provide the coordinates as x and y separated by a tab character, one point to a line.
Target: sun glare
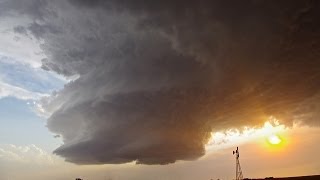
268	134
274	139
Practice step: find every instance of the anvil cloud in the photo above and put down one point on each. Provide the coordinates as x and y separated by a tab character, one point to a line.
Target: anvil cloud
155	78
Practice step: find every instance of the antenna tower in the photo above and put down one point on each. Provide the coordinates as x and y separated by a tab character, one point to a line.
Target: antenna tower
239	175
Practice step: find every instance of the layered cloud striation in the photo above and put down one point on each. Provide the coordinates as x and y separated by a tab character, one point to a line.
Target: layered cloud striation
155	78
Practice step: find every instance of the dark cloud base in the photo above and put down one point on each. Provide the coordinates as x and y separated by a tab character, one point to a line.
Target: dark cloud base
156	77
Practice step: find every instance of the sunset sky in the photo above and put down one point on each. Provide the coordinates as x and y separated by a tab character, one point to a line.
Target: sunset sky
163	90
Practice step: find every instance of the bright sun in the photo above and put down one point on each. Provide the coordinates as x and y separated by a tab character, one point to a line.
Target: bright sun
274	139
271	135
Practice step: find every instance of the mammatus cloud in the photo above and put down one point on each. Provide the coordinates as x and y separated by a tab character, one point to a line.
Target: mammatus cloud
156	78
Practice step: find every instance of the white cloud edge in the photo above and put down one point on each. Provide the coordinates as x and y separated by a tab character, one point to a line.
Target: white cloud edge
28	154
20	48
7	90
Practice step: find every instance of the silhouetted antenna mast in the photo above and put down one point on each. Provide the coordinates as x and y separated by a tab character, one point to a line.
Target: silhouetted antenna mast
239	175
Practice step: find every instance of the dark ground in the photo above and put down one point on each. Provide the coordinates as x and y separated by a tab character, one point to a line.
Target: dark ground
314	177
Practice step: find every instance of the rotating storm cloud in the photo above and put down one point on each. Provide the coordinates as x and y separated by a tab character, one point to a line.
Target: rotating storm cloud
155	79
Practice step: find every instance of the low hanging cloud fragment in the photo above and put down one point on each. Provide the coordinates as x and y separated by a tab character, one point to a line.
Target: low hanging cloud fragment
157	77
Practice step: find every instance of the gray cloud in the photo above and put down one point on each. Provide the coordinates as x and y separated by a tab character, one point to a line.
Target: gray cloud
36	9
155	78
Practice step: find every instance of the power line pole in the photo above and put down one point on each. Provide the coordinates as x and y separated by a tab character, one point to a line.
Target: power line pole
239	175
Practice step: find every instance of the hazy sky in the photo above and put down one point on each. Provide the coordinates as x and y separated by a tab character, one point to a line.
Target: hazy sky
158	89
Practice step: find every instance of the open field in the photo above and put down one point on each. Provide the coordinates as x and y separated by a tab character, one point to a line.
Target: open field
314	177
